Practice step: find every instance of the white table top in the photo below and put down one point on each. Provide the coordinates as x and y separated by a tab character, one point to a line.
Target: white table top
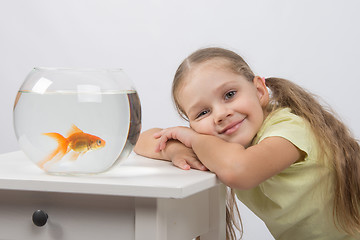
136	176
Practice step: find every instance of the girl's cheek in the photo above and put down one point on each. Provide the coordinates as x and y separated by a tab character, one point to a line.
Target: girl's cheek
198	127
206	129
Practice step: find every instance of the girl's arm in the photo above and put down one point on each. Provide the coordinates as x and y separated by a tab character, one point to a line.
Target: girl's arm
146	144
181	156
236	166
242	168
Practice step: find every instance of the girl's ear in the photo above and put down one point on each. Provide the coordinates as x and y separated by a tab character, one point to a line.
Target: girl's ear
261	90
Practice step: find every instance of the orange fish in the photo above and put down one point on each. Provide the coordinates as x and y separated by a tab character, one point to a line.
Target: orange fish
76	140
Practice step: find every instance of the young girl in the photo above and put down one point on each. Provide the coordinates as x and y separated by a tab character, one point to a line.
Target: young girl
288	159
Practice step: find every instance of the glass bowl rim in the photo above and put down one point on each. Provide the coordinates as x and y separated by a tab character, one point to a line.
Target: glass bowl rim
79	69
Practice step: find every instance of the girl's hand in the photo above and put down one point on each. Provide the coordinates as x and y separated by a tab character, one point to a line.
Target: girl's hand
175	151
182	134
179	151
182	156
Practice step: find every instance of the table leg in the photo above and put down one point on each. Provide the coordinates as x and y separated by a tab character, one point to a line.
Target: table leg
201	214
150	220
217	214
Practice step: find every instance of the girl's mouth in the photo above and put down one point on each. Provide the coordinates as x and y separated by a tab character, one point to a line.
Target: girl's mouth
231	128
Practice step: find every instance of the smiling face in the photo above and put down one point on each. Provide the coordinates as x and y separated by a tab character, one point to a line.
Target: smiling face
219	102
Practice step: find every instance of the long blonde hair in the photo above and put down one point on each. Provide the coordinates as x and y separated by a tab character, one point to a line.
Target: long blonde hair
334	138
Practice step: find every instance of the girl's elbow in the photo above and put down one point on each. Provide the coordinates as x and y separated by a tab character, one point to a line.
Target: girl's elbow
138	148
238	180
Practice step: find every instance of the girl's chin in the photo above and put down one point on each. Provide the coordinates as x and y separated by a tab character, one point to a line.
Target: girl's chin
241	141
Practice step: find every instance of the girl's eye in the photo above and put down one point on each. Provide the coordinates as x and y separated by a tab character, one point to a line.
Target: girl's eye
230	94
202	113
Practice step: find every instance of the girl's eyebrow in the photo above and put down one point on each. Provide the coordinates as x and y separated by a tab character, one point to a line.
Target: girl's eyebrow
226	85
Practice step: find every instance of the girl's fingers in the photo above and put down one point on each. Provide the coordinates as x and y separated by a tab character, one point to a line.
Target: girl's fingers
181	163
196	164
186	164
163	136
157	134
162	132
161	144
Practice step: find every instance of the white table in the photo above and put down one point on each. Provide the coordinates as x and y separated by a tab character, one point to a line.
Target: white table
139	199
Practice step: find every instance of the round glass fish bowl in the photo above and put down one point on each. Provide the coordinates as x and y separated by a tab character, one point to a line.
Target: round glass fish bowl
77	121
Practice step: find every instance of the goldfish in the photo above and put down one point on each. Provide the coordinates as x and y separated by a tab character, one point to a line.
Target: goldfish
77	142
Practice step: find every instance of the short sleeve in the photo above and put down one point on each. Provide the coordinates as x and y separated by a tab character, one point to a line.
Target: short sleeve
289	126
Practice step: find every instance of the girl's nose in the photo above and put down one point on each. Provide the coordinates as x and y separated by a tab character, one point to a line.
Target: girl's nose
221	113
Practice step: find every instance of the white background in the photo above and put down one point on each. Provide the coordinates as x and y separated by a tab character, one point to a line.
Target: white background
313	43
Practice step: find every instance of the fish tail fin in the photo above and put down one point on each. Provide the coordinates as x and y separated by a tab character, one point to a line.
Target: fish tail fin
59	152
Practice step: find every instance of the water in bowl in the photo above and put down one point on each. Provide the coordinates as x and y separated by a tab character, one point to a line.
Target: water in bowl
112	118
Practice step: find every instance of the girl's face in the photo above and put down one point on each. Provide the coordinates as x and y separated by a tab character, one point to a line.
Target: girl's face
224	104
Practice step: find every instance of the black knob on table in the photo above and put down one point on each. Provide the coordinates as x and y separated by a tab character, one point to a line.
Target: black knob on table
39	218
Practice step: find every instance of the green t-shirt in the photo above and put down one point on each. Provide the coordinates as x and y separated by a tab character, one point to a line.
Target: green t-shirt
298	202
